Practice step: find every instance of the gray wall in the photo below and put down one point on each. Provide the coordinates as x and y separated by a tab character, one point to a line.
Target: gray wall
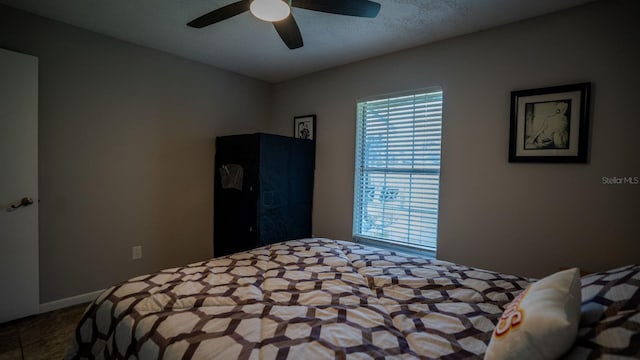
528	219
126	152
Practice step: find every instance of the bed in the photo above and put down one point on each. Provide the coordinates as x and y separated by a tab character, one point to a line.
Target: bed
321	298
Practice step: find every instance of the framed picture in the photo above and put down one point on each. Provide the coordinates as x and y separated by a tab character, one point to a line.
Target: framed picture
304	127
550	124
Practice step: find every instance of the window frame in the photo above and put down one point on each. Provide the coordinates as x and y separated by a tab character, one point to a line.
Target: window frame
360	156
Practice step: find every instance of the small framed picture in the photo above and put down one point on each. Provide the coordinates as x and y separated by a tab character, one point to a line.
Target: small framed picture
304	127
550	124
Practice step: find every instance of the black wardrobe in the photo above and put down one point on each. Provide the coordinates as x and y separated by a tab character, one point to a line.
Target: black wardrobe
263	191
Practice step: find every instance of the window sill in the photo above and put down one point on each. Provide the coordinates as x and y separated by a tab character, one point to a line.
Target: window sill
406	250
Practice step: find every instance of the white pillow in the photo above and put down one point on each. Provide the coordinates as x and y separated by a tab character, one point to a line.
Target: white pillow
541	322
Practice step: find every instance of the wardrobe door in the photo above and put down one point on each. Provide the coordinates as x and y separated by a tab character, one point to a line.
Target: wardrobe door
286	189
272	205
300	190
235	194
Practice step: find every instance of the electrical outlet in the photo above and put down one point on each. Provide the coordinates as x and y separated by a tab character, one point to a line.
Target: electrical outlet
136	252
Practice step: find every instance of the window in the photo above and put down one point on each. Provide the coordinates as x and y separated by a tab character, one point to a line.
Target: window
397	175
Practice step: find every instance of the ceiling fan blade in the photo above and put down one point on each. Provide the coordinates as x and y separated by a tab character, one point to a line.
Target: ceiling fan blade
220	14
289	32
362	8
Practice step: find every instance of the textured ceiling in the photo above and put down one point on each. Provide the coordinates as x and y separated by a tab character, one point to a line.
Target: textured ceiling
249	46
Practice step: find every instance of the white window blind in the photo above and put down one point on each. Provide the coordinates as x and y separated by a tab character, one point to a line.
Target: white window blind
397	175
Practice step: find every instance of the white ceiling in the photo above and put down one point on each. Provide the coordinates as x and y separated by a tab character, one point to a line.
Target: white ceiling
246	45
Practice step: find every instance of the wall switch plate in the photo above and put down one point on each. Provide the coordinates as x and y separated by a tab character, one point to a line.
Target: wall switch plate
136	252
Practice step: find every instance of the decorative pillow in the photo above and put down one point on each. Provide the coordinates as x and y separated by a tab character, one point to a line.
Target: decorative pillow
542	322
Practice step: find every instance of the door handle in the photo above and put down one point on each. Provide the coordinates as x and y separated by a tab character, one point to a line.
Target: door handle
25	201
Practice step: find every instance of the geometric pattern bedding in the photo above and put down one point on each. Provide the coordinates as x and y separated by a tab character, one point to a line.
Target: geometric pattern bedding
302	299
610	322
309	299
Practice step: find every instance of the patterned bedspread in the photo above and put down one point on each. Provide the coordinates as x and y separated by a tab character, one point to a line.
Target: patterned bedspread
303	299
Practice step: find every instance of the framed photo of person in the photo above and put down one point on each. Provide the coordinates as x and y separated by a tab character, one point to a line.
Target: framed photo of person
304	127
550	124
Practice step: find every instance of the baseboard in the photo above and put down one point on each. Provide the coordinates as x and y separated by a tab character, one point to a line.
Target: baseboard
70	301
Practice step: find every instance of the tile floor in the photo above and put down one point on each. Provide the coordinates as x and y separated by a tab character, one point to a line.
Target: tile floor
39	337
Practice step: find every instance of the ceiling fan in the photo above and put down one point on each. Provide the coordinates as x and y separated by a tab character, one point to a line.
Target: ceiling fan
278	12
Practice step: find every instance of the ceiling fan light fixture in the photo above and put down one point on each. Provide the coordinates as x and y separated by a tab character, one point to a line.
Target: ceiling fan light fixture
270	10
